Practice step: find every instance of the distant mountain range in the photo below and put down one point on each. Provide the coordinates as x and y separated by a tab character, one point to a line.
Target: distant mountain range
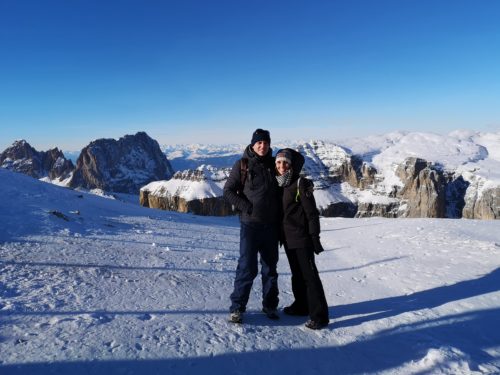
398	174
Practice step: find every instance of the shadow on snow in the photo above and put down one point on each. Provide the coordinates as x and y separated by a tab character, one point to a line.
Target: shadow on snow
468	334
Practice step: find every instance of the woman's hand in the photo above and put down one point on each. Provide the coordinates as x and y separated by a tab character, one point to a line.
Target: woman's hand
318	248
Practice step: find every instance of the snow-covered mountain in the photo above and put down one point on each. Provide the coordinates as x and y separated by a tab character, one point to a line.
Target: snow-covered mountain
394	175
96	286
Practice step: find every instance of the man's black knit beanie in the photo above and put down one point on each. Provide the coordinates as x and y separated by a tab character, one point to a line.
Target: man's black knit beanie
260	135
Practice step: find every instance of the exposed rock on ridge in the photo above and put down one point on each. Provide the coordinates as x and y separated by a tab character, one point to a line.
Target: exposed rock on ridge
22	157
424	189
481	202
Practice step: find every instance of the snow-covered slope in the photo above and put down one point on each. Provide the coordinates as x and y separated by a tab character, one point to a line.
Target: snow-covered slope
96	286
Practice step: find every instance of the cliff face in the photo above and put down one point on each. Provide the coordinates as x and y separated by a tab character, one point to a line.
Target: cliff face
23	158
424	189
121	166
487	206
481	201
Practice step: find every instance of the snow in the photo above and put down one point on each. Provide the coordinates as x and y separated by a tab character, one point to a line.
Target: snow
186	189
446	150
58	181
94	285
368	146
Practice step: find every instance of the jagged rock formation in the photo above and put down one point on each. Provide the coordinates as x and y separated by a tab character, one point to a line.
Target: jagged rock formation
486	207
23	158
359	173
122	166
481	202
195	191
424	189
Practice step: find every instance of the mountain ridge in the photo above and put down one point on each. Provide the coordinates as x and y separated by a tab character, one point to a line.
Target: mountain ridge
399	174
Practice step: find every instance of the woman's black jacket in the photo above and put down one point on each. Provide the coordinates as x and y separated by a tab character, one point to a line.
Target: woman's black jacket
300	222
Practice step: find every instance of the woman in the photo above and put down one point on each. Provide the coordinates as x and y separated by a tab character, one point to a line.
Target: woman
300	236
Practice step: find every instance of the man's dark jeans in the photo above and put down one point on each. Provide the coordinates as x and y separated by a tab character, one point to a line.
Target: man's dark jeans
256	238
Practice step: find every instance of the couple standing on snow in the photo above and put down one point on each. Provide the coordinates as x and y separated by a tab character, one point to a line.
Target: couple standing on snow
276	205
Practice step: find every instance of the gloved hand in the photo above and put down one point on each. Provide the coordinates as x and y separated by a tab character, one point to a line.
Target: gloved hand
318	248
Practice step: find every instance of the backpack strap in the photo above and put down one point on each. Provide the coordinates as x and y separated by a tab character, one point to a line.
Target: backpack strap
243	171
297	195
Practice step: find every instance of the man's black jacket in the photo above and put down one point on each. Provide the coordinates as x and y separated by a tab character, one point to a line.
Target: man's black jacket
258	200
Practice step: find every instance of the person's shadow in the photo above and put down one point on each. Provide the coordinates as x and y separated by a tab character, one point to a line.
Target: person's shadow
426	299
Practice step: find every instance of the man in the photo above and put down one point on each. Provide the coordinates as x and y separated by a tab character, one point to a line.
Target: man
252	188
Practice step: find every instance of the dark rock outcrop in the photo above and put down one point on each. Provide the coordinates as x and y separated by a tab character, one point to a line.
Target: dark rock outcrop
22	157
121	166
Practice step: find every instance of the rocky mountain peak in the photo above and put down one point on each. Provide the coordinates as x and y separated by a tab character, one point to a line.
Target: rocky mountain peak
123	165
22	157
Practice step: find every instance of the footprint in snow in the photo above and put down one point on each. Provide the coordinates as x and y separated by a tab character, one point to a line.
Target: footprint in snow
102	318
145	317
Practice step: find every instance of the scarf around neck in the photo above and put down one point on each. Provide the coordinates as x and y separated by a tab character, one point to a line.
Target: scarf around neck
285	179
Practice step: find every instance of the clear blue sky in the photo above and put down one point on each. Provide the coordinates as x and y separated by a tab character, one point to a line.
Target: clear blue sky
212	71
